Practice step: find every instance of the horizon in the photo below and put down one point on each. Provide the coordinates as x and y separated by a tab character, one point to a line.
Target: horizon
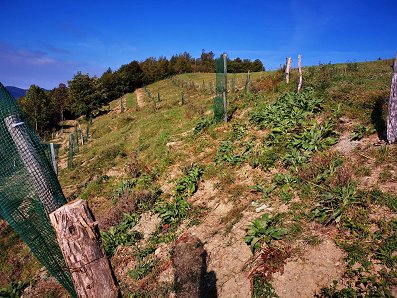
46	44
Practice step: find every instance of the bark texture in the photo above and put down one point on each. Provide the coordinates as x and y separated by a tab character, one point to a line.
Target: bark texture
79	239
392	107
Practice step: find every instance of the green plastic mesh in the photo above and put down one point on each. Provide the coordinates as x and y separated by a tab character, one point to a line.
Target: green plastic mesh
29	188
220	86
70	152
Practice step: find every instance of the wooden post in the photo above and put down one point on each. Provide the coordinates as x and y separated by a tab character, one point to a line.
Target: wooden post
81	136
288	69
224	87
300	73
392	107
53	158
79	239
247	82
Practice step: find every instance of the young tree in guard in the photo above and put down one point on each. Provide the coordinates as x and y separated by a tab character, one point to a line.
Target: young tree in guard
288	69
247	82
79	238
392	107
70	152
300	73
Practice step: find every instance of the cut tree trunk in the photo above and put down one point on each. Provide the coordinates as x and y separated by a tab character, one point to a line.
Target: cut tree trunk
79	239
392	107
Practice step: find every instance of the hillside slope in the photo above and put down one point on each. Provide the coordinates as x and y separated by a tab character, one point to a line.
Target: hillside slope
295	192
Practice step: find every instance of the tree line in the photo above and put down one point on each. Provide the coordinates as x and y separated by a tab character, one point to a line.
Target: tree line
84	94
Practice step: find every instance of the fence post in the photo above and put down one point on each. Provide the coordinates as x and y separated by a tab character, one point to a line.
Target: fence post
79	239
224	86
300	73
288	69
53	158
392	107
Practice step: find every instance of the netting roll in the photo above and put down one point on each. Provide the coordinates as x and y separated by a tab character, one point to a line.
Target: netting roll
29	188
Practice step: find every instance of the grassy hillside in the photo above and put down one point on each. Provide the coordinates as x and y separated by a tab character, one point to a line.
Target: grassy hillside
295	194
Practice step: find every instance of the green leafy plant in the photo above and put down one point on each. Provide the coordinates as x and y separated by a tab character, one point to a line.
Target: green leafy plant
264	230
187	185
14	290
361	131
121	234
262	288
330	208
142	269
178	208
202	125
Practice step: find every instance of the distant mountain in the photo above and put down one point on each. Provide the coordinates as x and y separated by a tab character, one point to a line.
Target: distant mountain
16	92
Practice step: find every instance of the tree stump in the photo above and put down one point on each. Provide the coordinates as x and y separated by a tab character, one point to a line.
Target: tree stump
392	107
79	239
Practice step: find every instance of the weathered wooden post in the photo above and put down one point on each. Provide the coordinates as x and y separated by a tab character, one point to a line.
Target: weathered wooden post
300	73
53	158
392	107
247	82
288	69
224	91
79	239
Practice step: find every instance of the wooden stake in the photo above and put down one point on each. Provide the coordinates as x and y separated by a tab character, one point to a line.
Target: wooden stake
392	107
53	158
288	69
300	73
79	239
224	87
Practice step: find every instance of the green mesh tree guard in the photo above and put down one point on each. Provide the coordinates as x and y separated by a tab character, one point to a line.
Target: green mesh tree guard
220	89
247	83
70	152
29	188
76	141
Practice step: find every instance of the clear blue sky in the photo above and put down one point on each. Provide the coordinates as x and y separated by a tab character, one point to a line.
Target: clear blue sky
47	42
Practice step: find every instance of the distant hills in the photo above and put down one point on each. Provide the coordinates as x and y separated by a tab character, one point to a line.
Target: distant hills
16	92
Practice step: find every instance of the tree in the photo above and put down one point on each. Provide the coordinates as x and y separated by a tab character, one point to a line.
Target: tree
59	98
35	106
83	94
109	86
131	76
181	63
257	65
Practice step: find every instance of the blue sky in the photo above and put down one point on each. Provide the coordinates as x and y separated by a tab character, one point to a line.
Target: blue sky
47	42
